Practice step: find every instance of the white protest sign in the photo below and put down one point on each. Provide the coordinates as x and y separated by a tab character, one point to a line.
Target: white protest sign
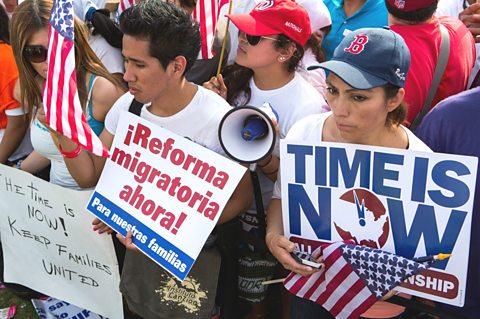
49	245
164	188
409	203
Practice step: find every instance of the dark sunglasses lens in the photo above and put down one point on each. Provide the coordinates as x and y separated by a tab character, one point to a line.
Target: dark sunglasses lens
252	39
36	54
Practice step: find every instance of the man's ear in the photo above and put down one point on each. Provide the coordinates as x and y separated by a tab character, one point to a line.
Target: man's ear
178	64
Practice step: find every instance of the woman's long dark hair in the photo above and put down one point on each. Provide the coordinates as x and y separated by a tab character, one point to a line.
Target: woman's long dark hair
4	32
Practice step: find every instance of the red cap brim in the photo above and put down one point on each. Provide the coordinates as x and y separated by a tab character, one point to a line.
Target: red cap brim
247	24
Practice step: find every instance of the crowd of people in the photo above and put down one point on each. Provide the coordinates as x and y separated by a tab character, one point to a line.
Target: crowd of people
392	73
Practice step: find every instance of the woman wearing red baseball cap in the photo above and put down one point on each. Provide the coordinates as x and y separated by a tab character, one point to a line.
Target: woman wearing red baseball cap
365	92
271	45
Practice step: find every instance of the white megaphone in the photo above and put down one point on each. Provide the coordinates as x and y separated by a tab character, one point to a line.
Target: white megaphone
247	133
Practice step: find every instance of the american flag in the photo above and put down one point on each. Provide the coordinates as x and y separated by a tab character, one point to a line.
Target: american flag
124	5
63	110
206	14
355	277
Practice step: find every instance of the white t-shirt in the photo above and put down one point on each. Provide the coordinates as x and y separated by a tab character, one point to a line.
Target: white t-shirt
293	101
450	8
198	121
111	57
310	129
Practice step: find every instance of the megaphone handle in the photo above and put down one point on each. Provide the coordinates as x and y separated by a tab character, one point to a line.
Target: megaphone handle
257	193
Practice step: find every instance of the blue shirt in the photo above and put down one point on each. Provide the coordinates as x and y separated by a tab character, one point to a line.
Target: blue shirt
373	14
452	127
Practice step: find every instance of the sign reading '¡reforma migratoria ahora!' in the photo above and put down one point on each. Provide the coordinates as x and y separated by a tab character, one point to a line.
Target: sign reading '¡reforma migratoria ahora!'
167	190
405	202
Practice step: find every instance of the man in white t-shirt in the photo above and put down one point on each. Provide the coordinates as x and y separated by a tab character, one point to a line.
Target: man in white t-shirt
155	66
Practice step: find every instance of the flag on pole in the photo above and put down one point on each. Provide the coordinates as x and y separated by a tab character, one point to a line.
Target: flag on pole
355	277
63	110
206	14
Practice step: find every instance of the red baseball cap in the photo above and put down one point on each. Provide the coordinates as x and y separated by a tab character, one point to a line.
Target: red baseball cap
276	17
410	5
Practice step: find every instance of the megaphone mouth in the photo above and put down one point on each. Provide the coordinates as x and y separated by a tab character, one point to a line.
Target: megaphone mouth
235	145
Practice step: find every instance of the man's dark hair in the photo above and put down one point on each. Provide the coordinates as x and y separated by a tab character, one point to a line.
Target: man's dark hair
415	16
4	33
169	29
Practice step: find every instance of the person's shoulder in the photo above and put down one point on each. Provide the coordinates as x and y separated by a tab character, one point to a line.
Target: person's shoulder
7	59
449	21
303	86
211	99
303	128
457	108
123	102
415	143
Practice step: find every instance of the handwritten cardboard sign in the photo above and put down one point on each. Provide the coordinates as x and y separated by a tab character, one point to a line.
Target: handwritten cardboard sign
49	245
165	189
409	203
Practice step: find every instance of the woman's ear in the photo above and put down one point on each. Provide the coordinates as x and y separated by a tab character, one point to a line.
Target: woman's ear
395	101
287	52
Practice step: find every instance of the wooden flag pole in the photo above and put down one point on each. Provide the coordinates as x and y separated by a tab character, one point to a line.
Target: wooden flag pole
273	281
224	42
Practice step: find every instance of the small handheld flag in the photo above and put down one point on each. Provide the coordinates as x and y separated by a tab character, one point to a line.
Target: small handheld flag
355	277
63	110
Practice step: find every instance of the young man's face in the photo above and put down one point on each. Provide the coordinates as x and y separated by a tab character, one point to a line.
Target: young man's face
146	78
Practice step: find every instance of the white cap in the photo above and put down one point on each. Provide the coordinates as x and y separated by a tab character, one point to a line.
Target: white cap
317	12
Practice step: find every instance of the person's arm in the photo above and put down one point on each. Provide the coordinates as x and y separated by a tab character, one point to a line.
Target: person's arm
34	163
240	201
269	167
14	133
104	95
278	244
85	168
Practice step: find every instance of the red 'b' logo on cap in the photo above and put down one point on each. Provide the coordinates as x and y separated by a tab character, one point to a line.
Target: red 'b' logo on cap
357	45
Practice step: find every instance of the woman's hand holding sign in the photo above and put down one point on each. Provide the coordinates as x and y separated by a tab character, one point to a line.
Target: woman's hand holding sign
282	248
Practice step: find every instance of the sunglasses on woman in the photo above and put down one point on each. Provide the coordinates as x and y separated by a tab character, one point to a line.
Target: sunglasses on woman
35	53
255	39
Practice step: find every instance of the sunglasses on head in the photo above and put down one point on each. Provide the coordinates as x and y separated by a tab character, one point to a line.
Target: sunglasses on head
255	39
35	53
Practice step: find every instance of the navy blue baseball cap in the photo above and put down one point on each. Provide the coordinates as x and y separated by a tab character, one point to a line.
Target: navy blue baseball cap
370	57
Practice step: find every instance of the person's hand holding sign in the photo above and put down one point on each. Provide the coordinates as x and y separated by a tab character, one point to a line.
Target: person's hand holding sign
101	227
127	241
281	247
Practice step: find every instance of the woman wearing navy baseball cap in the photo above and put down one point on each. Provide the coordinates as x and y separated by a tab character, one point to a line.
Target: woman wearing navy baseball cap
365	92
